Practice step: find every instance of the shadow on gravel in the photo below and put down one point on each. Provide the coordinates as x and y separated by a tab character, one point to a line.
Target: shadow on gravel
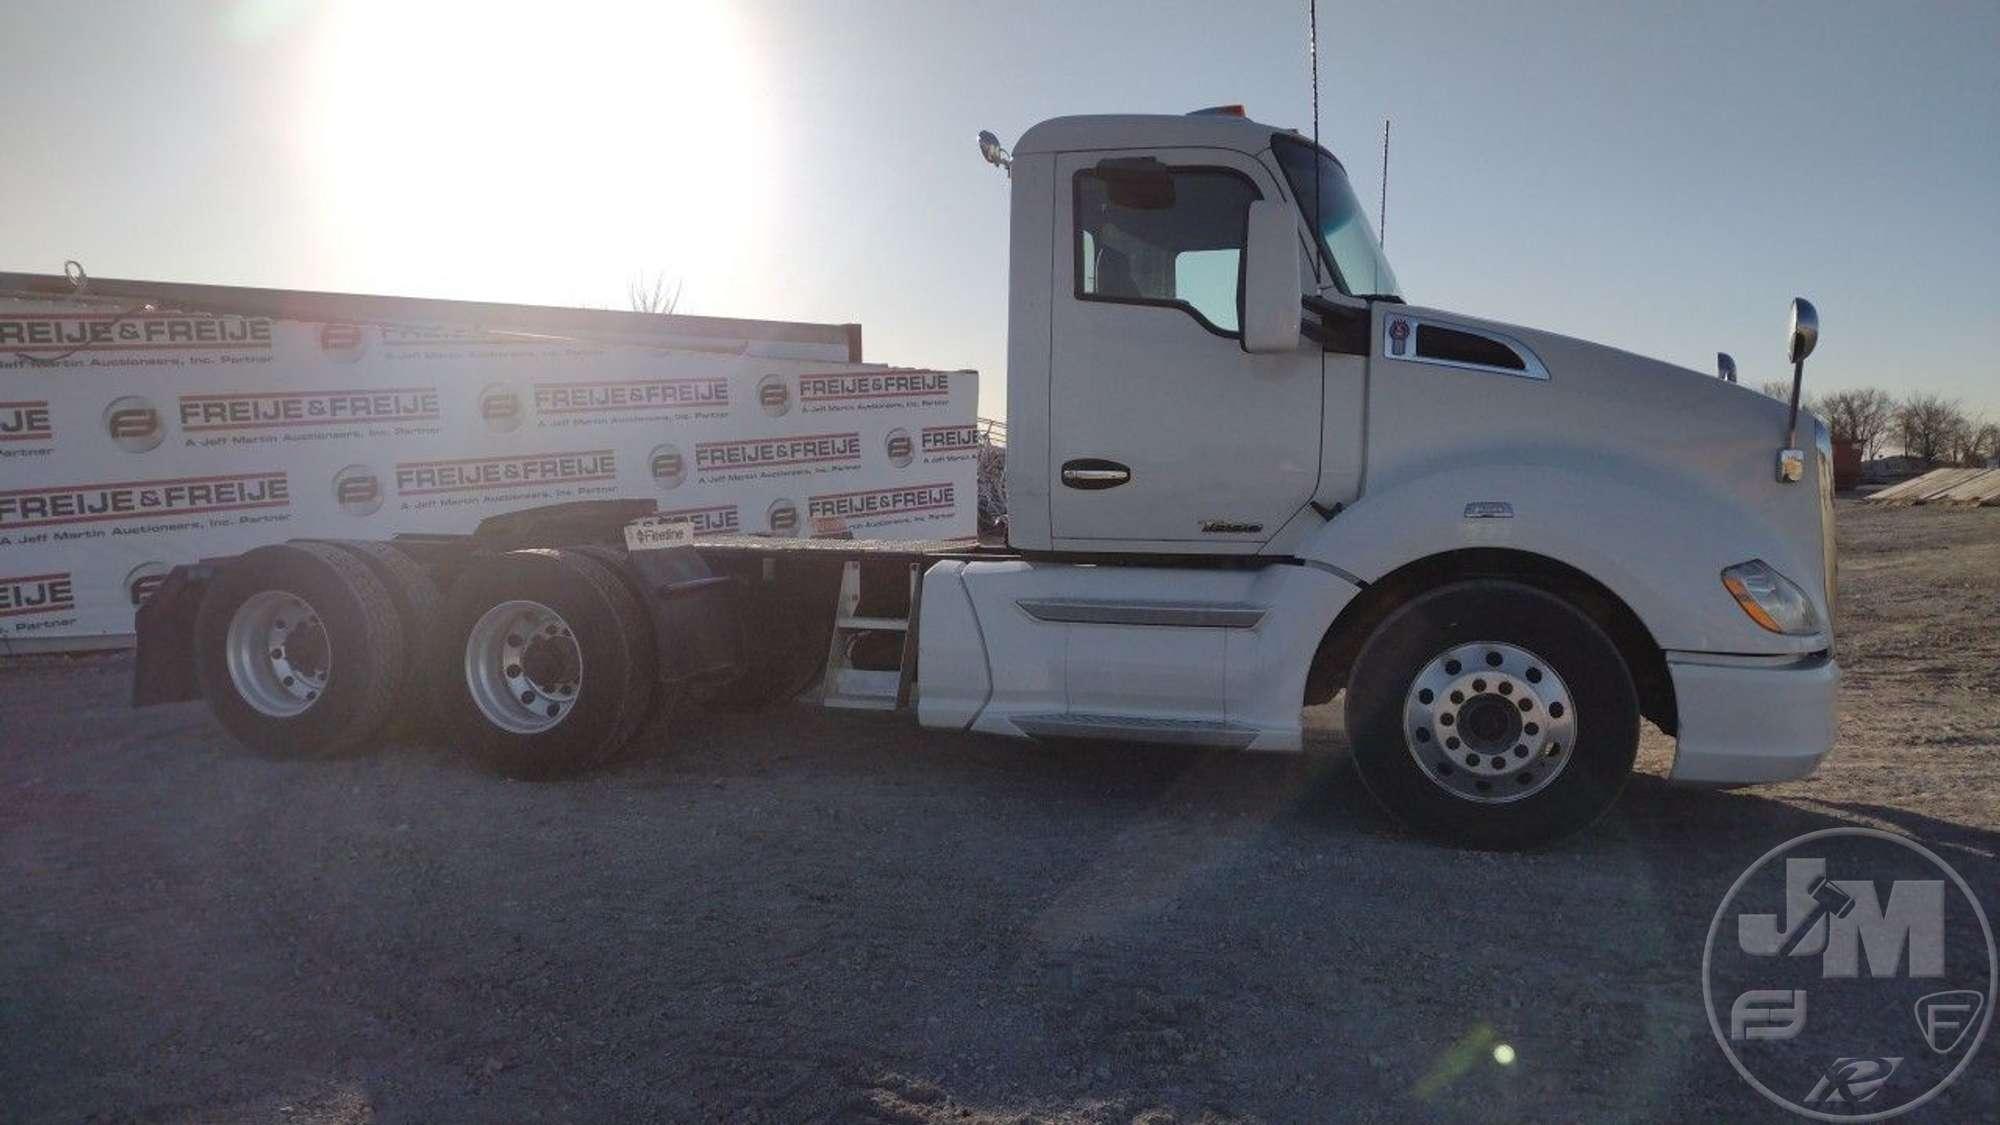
1951	840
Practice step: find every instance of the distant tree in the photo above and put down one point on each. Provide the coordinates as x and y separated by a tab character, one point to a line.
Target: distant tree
1780	389
1985	444
1929	426
1970	442
653	295
1861	417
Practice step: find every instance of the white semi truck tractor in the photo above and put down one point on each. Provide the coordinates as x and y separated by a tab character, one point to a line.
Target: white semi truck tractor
1244	475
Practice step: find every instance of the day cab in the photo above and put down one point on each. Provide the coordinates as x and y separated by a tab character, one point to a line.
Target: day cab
1245	474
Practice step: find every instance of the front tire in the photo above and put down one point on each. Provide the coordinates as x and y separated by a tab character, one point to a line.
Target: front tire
1492	714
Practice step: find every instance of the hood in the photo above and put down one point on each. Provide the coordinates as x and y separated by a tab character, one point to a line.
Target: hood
1706	448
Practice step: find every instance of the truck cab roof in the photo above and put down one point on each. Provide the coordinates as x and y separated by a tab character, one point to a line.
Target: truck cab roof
1145	130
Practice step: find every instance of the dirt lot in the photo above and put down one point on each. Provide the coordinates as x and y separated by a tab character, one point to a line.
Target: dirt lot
818	917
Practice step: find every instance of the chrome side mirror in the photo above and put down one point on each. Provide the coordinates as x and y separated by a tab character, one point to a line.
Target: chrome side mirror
1725	367
1805	329
1805	334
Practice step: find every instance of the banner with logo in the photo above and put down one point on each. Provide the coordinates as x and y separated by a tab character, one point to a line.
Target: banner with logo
130	442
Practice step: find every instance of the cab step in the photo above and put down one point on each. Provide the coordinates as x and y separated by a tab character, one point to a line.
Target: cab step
869	689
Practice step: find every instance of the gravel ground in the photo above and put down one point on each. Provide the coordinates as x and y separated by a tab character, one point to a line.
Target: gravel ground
807	916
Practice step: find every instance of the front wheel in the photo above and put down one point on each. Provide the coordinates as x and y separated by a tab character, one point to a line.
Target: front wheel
1492	714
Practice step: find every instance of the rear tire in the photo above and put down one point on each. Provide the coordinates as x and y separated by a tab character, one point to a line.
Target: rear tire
546	663
646	701
299	650
419	604
667	702
1492	714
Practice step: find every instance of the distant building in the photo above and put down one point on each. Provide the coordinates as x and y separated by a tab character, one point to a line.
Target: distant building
1888	470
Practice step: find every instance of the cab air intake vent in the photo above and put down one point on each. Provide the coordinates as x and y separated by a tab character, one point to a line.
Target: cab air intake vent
1452	346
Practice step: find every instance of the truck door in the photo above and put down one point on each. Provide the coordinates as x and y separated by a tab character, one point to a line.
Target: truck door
1164	434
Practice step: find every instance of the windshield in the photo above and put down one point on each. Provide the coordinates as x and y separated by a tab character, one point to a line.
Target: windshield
1346	239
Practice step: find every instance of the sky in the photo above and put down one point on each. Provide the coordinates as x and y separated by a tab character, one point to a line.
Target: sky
1661	177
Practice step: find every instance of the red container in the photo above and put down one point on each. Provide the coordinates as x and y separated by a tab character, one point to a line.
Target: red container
1846	466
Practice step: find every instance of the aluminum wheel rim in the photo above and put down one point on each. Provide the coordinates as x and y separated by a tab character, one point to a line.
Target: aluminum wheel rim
278	654
523	667
1490	722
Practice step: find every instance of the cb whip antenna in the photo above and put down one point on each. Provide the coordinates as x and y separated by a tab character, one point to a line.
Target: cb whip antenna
1312	31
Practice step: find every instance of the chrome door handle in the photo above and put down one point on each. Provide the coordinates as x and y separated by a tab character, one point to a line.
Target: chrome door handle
1094	473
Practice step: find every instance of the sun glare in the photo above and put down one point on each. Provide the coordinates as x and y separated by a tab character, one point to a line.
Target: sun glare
534	150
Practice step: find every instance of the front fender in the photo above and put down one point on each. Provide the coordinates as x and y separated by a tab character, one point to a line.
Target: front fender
1660	549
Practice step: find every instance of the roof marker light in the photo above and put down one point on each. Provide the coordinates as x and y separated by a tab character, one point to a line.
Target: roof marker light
1219	111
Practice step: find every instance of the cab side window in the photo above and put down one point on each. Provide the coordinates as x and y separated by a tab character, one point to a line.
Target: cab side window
1147	234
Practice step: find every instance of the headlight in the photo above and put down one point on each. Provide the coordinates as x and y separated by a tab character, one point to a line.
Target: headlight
1771	599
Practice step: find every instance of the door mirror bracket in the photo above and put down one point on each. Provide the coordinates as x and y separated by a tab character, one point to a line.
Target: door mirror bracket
1336	327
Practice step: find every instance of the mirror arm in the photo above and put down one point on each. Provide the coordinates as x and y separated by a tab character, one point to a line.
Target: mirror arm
1792	419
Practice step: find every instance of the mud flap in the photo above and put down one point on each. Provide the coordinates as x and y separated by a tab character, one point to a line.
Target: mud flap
165	625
